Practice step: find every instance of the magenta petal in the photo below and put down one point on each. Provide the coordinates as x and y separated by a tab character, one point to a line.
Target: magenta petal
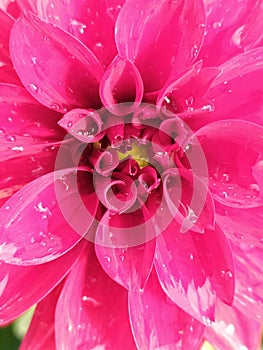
35	45
195	267
118	193
105	164
230	29
249	280
188	200
6	24
129	265
7	72
28	5
24	286
153	34
241	225
41	332
185	95
250	35
237	91
10	6
84	124
233	150
158	323
121	82
29	138
22	115
233	330
92	22
92	310
44	219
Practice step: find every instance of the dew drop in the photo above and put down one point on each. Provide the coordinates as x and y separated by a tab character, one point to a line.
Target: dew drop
18	149
114	11
238	235
69	124
217	25
226	274
10	138
206	321
207	108
230	329
34	60
121	257
43	244
194	51
98	46
55	106
107	258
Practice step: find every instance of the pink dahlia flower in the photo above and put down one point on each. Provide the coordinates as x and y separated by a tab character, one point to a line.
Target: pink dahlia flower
131	172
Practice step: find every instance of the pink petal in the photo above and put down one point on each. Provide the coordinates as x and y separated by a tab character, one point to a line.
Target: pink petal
7	72
129	264
8	75
83	124
117	193
250	35
11	7
158	323
105	165
23	117
7	22
195	267
92	22
237	91
153	34
233	149
228	29
45	219
233	330
56	69
23	286
27	5
29	139
188	200
121	82
249	280
241	225
186	95
92	310
41	332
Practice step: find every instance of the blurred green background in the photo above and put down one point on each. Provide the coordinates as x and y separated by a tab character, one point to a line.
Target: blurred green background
11	336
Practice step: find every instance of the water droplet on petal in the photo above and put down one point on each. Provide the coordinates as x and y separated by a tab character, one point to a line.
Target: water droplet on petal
55	106
230	329
18	149
121	257
194	52
217	25
10	138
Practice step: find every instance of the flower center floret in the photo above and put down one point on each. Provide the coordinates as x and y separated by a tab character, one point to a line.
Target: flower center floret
137	152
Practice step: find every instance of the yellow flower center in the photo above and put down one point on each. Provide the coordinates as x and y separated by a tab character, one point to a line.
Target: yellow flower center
138	153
